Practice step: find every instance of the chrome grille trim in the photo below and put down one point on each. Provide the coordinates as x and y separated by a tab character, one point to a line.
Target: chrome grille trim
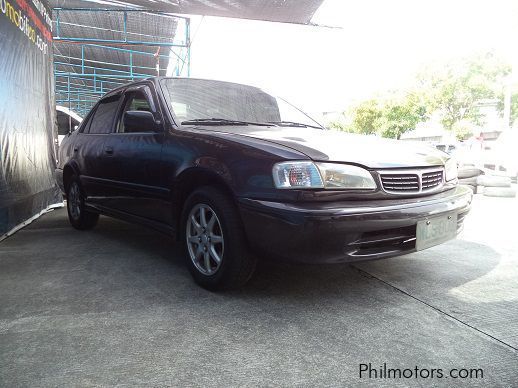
430	180
412	181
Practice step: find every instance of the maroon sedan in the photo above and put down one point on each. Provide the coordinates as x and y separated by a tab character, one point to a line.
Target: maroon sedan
236	174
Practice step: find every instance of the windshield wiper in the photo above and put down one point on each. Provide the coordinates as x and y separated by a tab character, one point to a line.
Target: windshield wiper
218	121
293	124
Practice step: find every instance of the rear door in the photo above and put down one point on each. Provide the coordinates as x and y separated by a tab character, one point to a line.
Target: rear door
90	149
133	161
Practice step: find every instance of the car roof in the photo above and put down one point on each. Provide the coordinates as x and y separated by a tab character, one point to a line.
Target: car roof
156	79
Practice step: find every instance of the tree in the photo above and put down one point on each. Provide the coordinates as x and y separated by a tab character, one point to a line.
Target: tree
366	118
463	129
402	115
454	89
385	117
514	108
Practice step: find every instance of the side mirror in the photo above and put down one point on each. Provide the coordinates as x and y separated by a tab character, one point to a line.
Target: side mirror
140	121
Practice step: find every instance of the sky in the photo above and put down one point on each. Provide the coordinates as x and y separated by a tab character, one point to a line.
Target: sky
379	45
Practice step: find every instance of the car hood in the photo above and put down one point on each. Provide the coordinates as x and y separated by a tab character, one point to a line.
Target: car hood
336	146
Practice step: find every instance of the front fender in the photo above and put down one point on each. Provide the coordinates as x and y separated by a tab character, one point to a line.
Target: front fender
215	166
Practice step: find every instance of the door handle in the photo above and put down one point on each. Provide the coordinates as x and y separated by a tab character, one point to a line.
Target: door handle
108	150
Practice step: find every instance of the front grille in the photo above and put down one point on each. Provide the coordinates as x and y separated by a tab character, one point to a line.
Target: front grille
429	180
411	181
403	183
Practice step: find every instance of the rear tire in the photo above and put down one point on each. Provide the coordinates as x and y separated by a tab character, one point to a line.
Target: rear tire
215	243
79	217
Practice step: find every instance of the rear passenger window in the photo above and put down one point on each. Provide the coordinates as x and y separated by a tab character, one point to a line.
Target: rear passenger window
102	120
86	124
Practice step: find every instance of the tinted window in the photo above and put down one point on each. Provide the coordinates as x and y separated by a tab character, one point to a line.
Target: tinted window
86	123
205	99
134	101
192	99
102	120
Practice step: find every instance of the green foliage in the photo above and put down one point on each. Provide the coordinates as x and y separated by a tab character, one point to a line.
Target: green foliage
401	116
514	108
387	118
452	91
463	130
366	119
455	89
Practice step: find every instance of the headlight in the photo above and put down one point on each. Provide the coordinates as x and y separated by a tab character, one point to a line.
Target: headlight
344	176
450	170
293	175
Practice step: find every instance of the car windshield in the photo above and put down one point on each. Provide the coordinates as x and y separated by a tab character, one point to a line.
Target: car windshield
218	103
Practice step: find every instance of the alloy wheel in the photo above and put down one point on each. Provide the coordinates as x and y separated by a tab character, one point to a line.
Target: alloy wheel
205	239
74	201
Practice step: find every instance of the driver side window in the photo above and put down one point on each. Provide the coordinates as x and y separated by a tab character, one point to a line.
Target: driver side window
135	101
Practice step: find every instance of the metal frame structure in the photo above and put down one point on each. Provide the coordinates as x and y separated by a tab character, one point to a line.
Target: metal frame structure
81	79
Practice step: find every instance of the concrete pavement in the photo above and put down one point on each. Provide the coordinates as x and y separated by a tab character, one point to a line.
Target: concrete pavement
116	306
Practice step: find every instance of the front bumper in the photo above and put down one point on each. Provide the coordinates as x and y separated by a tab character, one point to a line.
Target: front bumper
345	231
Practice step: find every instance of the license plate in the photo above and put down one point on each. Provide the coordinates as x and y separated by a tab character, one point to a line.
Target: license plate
436	230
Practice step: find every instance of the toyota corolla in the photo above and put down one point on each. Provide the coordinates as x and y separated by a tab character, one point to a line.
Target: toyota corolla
237	174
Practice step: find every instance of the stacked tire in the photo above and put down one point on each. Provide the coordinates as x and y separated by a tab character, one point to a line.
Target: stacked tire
468	176
496	186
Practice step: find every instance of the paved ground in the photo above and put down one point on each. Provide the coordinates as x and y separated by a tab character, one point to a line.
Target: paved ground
115	306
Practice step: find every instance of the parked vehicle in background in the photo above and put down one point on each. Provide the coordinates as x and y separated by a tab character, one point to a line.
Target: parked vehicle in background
236	173
67	121
502	158
448	148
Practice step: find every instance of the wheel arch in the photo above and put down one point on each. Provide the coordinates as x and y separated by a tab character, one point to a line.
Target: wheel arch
69	170
192	179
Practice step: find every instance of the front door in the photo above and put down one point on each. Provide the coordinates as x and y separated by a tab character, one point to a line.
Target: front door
133	163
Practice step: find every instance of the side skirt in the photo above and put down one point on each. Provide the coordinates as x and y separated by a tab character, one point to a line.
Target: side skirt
158	226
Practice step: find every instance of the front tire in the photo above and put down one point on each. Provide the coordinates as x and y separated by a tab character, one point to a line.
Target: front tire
217	253
79	217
